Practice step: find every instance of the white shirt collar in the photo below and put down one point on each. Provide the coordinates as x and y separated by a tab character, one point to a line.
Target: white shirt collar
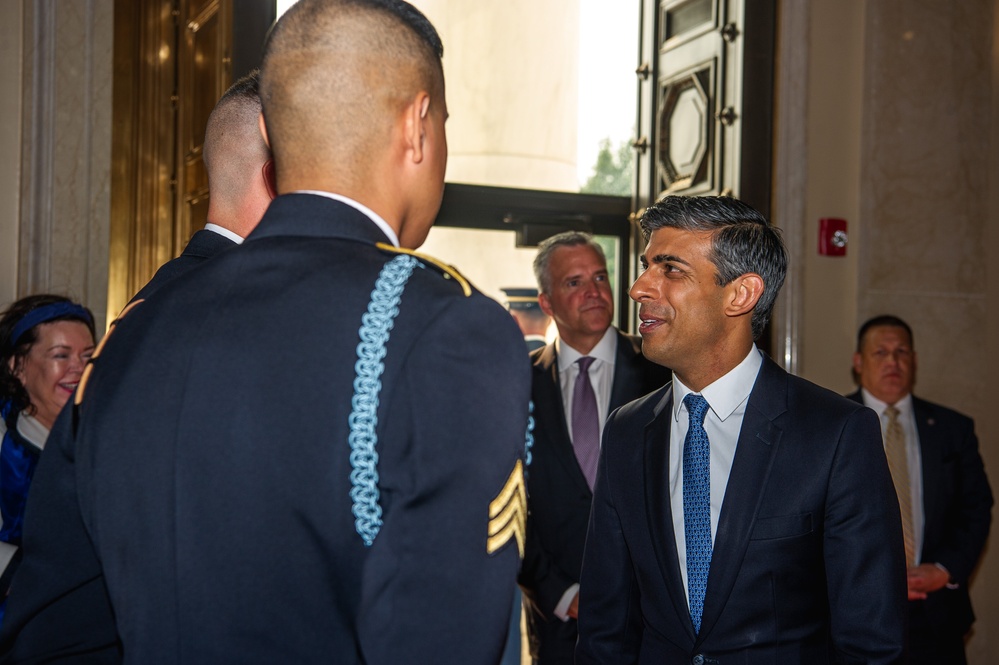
371	214
224	232
31	429
725	394
903	405
605	350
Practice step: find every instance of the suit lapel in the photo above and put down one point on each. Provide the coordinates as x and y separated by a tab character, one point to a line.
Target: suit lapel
549	400
759	440
929	452
658	507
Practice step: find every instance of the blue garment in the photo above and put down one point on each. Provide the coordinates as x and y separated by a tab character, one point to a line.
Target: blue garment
18	459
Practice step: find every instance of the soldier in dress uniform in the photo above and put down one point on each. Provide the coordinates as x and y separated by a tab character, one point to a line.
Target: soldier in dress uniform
312	452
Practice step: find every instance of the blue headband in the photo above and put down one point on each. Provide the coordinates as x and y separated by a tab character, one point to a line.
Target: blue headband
46	313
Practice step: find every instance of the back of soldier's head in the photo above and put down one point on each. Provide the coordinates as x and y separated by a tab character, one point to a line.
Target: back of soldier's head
234	149
335	74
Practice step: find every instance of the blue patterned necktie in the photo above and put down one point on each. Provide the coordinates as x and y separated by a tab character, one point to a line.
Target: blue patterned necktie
697	506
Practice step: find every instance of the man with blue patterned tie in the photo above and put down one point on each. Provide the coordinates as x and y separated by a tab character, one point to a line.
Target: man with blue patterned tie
740	514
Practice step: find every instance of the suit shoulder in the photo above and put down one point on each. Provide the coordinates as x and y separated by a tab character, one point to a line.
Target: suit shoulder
643	408
634	341
803	396
941	412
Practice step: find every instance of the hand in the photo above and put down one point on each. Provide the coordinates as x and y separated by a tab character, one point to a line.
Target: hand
925	579
573	611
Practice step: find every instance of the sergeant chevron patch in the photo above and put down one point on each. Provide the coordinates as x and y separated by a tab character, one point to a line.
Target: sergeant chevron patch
508	513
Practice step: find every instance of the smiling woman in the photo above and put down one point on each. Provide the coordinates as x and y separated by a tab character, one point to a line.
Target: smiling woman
45	341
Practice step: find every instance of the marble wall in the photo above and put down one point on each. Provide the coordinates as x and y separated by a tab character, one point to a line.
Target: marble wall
66	150
10	144
924	184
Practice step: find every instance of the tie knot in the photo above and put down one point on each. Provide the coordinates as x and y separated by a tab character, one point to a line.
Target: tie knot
891	412
584	364
697	406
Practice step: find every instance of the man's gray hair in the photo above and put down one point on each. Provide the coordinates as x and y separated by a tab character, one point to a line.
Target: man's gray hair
548	246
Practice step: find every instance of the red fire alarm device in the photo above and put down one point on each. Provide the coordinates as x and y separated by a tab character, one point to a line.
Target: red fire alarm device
832	236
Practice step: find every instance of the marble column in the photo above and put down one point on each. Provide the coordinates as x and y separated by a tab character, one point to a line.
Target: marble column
66	150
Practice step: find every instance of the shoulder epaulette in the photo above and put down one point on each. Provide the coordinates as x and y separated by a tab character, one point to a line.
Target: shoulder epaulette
85	377
448	271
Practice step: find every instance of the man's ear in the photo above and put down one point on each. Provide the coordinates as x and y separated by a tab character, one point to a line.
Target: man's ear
857	362
270	180
416	118
545	303
746	291
263	129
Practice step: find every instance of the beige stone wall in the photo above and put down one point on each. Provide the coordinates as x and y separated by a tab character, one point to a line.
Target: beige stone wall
56	119
10	146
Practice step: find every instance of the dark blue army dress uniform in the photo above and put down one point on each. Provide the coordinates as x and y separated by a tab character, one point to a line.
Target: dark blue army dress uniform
306	450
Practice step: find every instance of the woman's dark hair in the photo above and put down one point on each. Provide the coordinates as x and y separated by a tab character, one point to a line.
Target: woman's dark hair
10	387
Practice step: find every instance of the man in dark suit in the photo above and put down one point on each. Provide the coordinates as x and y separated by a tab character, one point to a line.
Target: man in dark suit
741	514
240	180
943	491
575	291
308	450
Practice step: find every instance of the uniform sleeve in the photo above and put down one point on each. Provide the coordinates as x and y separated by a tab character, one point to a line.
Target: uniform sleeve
437	585
609	611
864	555
58	609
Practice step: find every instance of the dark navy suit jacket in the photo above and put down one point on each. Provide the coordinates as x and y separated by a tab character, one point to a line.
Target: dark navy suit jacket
203	245
559	497
808	564
957	510
206	479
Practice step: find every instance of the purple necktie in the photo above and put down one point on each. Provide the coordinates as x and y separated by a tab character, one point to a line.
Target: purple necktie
585	423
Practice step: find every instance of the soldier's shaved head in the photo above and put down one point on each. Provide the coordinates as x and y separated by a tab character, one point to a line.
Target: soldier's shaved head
234	155
336	75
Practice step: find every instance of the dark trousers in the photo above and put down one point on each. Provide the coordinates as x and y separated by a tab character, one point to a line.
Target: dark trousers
929	645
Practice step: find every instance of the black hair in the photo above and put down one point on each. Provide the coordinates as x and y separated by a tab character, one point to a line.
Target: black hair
742	241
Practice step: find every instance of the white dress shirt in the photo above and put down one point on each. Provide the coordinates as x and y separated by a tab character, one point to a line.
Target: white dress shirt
907	419
224	232
601	375
727	398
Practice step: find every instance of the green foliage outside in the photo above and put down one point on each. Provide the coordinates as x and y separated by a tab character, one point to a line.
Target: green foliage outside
613	174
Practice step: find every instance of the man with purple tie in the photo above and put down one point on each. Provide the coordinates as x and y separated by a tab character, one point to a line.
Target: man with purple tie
590	370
